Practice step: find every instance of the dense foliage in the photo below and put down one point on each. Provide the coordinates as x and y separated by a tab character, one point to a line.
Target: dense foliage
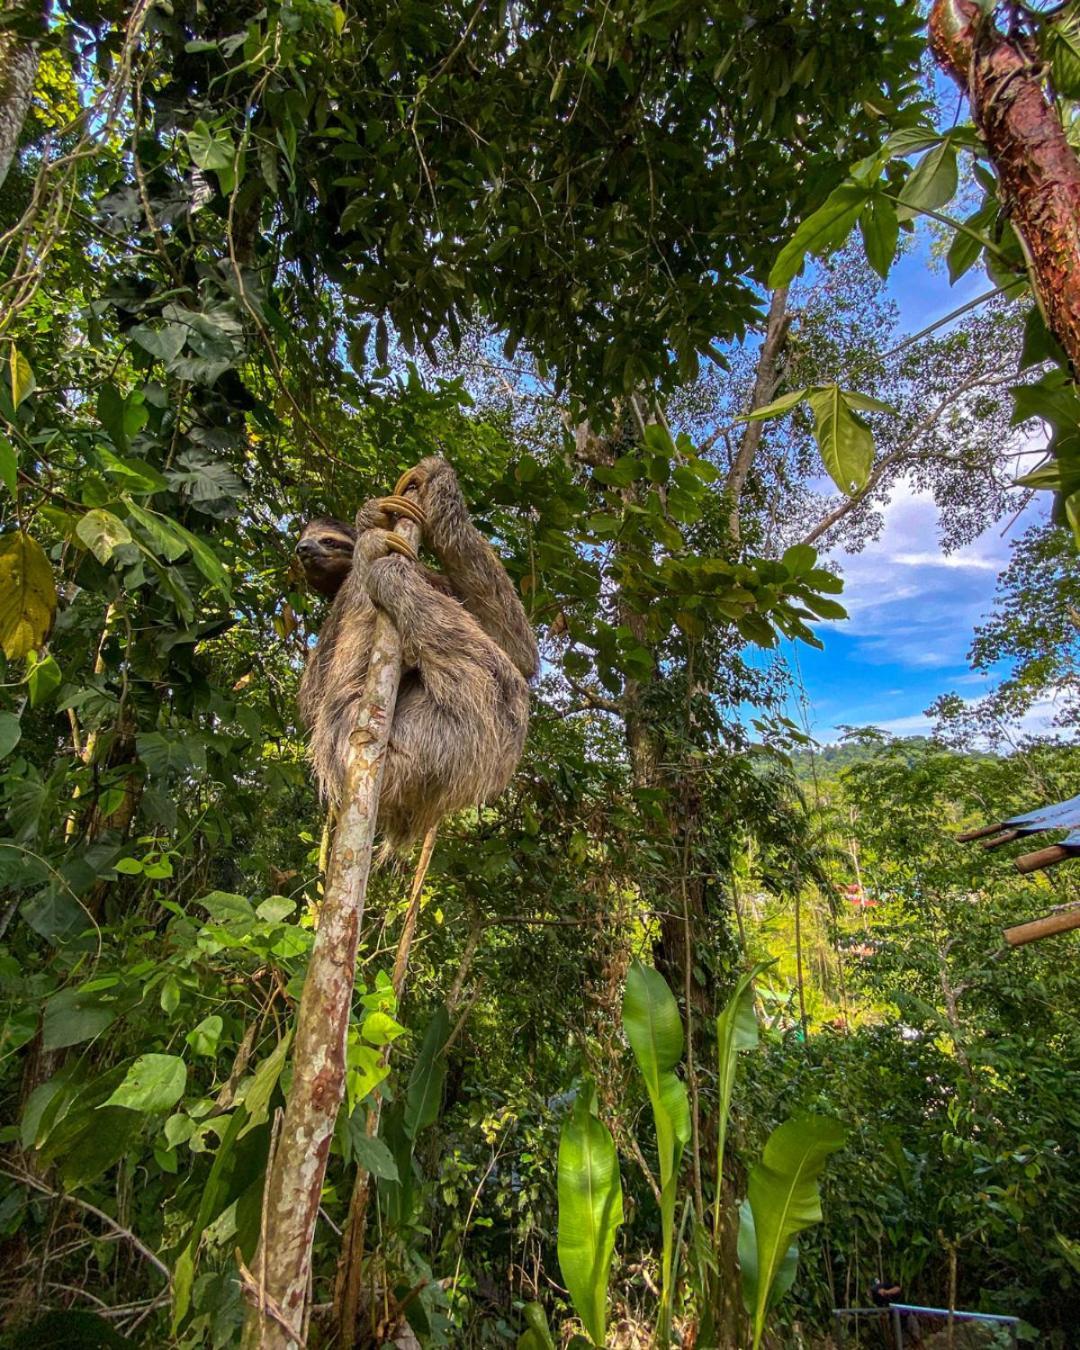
257	261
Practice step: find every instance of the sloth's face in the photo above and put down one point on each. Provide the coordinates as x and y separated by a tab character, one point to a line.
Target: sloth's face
325	550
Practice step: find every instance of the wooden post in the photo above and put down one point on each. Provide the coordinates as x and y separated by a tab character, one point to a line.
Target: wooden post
969	835
1061	921
282	1266
1043	857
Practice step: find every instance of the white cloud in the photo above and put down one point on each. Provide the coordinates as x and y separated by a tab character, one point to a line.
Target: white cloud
908	602
1037	721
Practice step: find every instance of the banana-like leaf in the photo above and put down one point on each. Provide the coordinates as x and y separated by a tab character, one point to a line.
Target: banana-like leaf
654	1029
783	1199
537	1334
590	1212
736	1029
423	1097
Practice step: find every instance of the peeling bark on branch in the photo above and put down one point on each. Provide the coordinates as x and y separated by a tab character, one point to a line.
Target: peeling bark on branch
294	1184
1037	169
18	71
766	383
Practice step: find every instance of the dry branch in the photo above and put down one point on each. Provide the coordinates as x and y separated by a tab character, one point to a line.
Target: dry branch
294	1183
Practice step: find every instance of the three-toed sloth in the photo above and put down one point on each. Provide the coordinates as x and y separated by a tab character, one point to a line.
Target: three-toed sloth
467	653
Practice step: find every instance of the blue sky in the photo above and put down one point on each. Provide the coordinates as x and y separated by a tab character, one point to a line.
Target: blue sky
913	609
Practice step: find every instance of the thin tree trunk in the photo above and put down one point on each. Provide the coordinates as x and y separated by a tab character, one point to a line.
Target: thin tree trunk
18	71
766	383
294	1181
1037	168
350	1262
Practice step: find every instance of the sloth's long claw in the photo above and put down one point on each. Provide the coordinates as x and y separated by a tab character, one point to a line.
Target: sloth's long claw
395	544
404	506
415	477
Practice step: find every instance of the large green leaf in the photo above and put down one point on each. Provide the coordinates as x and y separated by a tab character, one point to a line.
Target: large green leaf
933	183
423	1097
590	1212
27	595
736	1029
825	229
654	1029
845	441
784	1198
153	1083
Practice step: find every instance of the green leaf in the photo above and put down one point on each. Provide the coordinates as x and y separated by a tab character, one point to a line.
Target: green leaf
1061	46
43	680
9	464
23	382
10	732
845	441
153	1083
102	533
590	1212
777	408
748	1257
880	229
73	1016
204	1038
172	539
784	1199
165	341
374	1156
736	1029
825	229
423	1096
654	1029
27	595
379	1028
933	183
967	244
537	1335
259	1091
799	558
131	473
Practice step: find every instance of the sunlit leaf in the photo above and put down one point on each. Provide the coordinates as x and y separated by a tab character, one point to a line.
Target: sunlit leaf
590	1212
27	595
154	1083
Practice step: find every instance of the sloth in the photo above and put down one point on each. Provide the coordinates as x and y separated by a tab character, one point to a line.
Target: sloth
467	653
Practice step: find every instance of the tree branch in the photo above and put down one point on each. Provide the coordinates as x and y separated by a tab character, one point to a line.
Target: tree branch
766	384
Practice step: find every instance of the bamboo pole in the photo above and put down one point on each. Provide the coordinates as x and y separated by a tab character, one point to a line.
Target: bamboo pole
1062	921
1043	857
295	1177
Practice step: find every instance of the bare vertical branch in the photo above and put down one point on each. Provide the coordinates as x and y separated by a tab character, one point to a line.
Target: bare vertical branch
766	384
294	1183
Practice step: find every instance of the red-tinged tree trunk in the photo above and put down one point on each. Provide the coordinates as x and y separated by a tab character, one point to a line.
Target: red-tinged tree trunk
1037	168
279	1279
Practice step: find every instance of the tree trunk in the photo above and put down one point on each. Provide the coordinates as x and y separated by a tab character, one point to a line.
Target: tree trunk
766	382
1037	168
18	71
278	1286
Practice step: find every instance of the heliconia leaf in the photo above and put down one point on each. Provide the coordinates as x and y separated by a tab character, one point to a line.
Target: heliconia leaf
654	1029
590	1212
783	1198
27	595
825	229
736	1029
423	1097
845	441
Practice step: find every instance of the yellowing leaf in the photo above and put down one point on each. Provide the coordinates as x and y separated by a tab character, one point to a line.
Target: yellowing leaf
27	595
22	377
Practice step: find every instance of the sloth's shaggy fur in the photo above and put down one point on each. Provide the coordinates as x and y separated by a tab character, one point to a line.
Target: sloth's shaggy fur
467	652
